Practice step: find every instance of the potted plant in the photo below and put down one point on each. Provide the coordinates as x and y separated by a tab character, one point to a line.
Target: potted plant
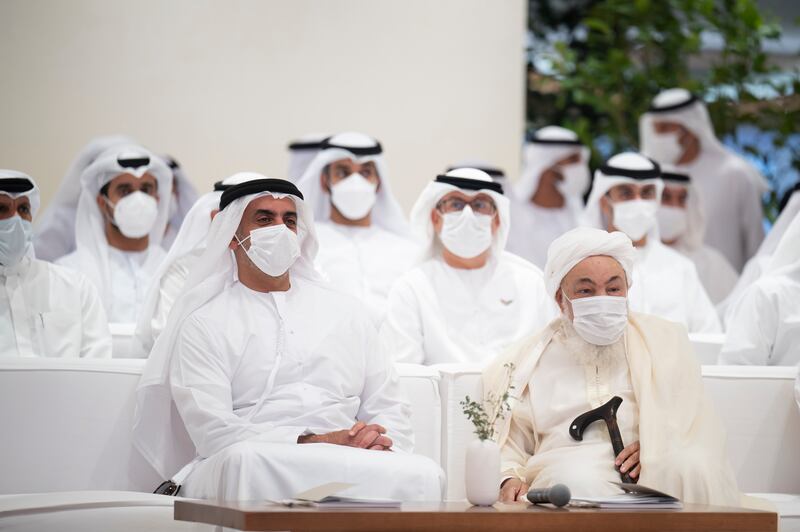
482	463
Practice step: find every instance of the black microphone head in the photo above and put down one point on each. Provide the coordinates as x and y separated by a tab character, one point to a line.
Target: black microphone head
560	495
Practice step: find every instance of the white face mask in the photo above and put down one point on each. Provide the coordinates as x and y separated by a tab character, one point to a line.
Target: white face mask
600	320
135	214
273	249
576	179
16	236
354	196
466	234
635	217
665	148
672	222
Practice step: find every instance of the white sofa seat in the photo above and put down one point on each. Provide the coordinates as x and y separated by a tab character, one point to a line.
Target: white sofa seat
420	385
707	346
67	426
67	423
122	341
90	511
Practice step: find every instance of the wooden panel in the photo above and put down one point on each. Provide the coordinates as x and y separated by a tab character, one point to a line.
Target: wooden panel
452	516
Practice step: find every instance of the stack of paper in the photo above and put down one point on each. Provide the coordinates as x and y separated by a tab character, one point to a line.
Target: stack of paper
635	496
324	497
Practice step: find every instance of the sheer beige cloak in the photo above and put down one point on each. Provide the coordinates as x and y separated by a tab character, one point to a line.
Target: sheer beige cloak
683	441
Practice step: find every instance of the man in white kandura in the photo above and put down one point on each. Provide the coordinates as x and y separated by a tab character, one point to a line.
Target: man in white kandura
595	350
677	130
267	381
549	192
682	224
184	196
468	299
625	197
765	323
760	262
185	253
364	243
45	310
122	214
54	236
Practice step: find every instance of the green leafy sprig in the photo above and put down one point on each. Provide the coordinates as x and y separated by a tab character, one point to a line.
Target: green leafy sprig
484	415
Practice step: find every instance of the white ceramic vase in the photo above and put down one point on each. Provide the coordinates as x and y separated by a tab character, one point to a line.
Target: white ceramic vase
482	472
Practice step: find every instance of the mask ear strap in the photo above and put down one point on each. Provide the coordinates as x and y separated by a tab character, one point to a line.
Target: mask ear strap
240	242
106	216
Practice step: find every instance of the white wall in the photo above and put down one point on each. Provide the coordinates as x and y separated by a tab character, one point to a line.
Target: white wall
224	85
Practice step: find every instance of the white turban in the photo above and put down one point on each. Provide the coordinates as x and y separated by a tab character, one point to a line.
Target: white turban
573	246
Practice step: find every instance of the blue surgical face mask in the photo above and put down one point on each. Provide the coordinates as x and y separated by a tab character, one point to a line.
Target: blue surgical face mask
16	236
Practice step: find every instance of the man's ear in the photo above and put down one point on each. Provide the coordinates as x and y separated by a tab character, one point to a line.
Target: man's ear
436	220
214	212
495	223
102	204
323	181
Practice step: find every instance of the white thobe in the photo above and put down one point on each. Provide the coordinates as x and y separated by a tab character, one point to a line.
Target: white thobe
364	261
732	204
535	228
764	328
666	284
540	450
131	275
253	371
683	449
440	314
170	286
50	311
714	270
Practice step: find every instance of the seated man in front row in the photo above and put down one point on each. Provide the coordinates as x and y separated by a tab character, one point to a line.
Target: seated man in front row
595	350
259	356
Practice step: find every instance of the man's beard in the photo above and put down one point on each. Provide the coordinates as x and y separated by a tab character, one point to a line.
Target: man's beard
588	354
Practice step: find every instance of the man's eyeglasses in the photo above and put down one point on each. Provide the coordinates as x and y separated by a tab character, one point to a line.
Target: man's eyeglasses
480	205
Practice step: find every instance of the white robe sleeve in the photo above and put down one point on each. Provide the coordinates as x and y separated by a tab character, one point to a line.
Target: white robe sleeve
702	316
751	217
170	286
96	337
518	448
200	380
382	402
752	330
402	334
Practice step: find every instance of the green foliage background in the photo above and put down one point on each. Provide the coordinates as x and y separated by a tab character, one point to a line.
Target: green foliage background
610	57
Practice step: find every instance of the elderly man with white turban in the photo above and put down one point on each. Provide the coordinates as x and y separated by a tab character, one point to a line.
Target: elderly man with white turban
122	214
682	224
364	242
45	310
764	328
183	255
625	197
468	299
595	350
549	192
266	380
677	130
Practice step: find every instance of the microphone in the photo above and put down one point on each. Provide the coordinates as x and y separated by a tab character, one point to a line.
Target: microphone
557	495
